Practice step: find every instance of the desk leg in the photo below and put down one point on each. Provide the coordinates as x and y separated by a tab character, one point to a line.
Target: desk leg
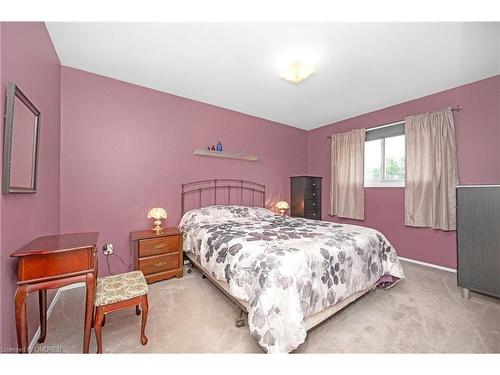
21	316
89	310
42	305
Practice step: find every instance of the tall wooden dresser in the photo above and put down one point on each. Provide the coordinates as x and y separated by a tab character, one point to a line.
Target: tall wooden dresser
478	239
305	197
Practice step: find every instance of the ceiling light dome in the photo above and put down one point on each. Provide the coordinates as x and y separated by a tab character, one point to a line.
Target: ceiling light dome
297	72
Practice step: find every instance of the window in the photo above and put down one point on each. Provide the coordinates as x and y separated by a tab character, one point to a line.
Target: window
385	156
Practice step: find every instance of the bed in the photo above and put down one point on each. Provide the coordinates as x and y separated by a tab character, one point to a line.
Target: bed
288	274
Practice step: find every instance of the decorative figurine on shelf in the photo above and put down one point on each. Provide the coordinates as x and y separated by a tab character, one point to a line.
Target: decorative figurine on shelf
219	147
212	148
209	148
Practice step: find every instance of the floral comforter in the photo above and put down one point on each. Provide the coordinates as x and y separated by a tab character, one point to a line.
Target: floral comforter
286	268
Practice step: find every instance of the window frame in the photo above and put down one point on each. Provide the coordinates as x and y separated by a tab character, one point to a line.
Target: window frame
383	182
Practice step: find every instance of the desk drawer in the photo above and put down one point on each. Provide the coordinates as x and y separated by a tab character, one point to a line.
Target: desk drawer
156	246
159	263
39	266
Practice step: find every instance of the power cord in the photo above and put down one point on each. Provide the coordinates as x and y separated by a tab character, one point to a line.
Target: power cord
119	257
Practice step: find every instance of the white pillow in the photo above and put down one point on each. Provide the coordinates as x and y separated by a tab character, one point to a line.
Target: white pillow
223	213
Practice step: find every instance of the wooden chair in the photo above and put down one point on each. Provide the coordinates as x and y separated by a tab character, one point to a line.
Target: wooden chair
120	292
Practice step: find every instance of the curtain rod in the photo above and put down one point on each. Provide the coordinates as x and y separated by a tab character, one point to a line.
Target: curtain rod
454	109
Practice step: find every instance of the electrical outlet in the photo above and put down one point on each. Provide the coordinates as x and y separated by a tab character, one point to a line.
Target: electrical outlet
108	248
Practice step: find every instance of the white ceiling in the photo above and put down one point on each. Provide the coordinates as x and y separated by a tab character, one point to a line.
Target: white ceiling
360	67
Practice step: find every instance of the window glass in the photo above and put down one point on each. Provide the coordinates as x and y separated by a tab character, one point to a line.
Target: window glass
385	161
395	158
373	160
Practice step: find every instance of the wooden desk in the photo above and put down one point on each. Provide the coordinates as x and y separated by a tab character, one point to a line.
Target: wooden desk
52	262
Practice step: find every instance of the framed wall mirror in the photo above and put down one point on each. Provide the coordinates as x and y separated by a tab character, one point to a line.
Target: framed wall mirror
20	143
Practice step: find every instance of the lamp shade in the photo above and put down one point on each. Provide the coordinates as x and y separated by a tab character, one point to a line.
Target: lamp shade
282	205
157	213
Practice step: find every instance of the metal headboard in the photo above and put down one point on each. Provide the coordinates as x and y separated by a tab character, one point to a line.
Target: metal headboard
222	188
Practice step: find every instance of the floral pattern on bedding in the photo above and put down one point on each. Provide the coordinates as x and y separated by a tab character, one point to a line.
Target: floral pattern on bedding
286	268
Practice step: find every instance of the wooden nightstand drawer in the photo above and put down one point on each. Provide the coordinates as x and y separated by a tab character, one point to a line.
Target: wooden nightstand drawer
156	246
159	263
158	256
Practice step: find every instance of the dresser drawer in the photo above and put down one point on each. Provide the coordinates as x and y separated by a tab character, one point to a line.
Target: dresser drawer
156	246
159	263
312	188
312	214
312	193
311	204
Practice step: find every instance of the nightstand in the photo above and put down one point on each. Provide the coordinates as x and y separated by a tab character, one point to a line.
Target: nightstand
158	256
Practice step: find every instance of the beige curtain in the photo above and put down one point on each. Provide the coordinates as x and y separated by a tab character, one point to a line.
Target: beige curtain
347	197
431	170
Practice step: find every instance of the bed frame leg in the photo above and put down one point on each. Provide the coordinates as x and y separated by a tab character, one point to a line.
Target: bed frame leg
465	293
188	264
242	320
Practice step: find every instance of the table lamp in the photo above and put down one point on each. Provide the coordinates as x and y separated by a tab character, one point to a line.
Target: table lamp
282	206
157	214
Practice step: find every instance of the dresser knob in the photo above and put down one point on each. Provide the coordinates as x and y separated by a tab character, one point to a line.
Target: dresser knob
160	246
160	264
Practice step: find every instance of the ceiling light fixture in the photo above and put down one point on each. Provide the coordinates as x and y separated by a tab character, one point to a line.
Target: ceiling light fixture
297	72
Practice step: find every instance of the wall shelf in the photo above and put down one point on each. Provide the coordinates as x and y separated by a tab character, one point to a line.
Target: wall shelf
229	155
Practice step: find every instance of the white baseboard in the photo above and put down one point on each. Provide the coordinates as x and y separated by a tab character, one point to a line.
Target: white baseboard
49	311
428	265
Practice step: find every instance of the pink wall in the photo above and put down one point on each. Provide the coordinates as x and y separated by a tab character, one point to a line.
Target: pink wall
127	148
28	58
113	132
478	147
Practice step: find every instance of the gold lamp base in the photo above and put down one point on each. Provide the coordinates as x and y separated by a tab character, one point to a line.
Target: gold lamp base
157	229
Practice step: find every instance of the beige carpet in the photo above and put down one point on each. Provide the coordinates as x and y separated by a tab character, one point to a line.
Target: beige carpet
424	313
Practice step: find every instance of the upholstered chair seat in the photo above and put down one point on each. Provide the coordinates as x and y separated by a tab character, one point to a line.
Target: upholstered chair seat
118	292
120	287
